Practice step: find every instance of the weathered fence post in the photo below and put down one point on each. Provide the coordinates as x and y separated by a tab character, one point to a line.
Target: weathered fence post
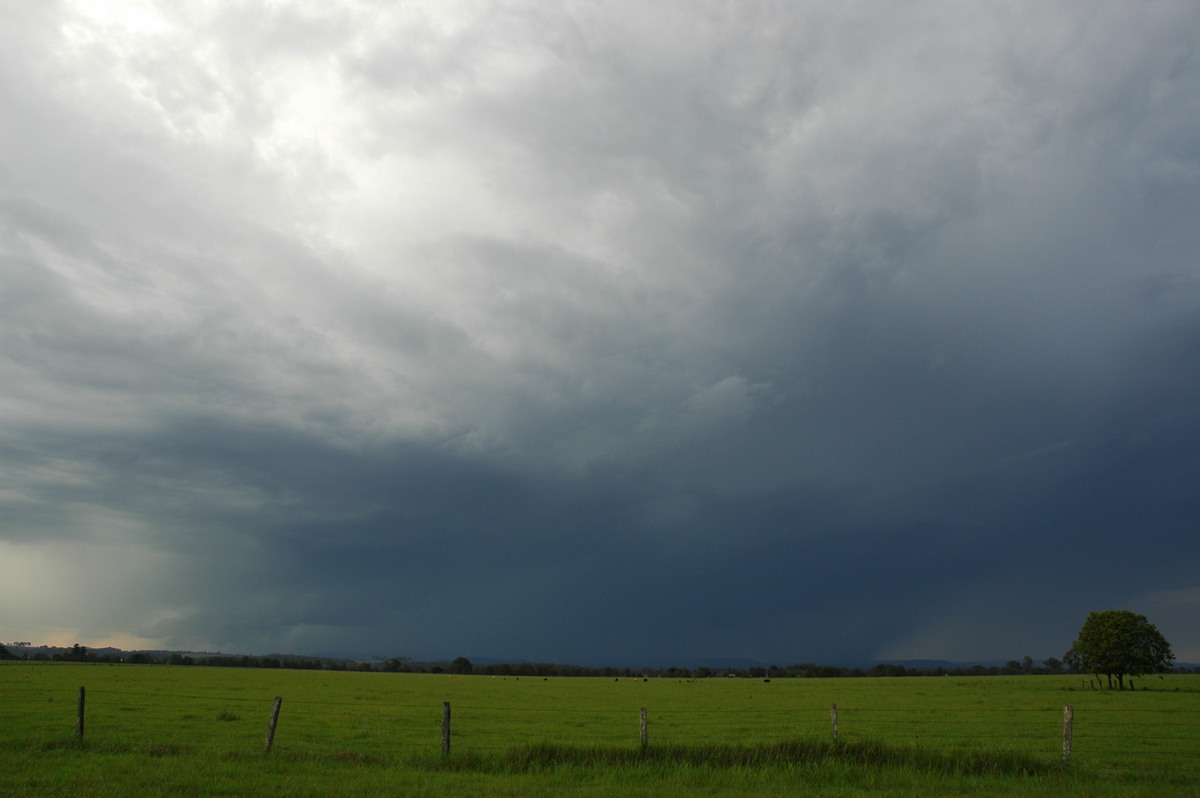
271	726
833	719
79	714
1068	724
642	735
445	728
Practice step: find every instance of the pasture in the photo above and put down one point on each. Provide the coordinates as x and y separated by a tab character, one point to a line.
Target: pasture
158	730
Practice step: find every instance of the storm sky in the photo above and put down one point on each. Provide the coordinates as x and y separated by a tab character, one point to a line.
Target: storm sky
599	332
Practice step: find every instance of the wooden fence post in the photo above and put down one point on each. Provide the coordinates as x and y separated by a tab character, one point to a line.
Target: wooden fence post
1068	730
271	726
445	728
642	735
833	719
79	714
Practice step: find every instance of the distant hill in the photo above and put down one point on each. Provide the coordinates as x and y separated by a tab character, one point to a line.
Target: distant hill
945	664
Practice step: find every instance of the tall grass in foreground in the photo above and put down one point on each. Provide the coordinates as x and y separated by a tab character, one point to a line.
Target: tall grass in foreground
860	768
863	753
552	756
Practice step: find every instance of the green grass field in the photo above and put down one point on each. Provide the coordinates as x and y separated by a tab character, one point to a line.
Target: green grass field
157	730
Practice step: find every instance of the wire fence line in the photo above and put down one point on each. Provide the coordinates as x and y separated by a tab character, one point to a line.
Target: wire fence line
1163	737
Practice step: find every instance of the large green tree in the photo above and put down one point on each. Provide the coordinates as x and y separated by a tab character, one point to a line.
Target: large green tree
1119	643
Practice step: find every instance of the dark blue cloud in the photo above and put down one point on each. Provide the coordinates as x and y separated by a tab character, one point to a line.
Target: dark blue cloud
807	336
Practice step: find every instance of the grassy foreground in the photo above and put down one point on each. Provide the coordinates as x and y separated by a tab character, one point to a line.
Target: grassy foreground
156	730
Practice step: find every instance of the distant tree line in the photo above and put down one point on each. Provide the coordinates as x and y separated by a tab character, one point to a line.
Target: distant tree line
462	666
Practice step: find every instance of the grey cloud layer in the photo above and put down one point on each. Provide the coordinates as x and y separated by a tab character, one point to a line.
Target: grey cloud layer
773	330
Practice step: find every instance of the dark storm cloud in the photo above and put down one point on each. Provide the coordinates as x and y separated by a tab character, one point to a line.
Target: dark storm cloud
773	331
